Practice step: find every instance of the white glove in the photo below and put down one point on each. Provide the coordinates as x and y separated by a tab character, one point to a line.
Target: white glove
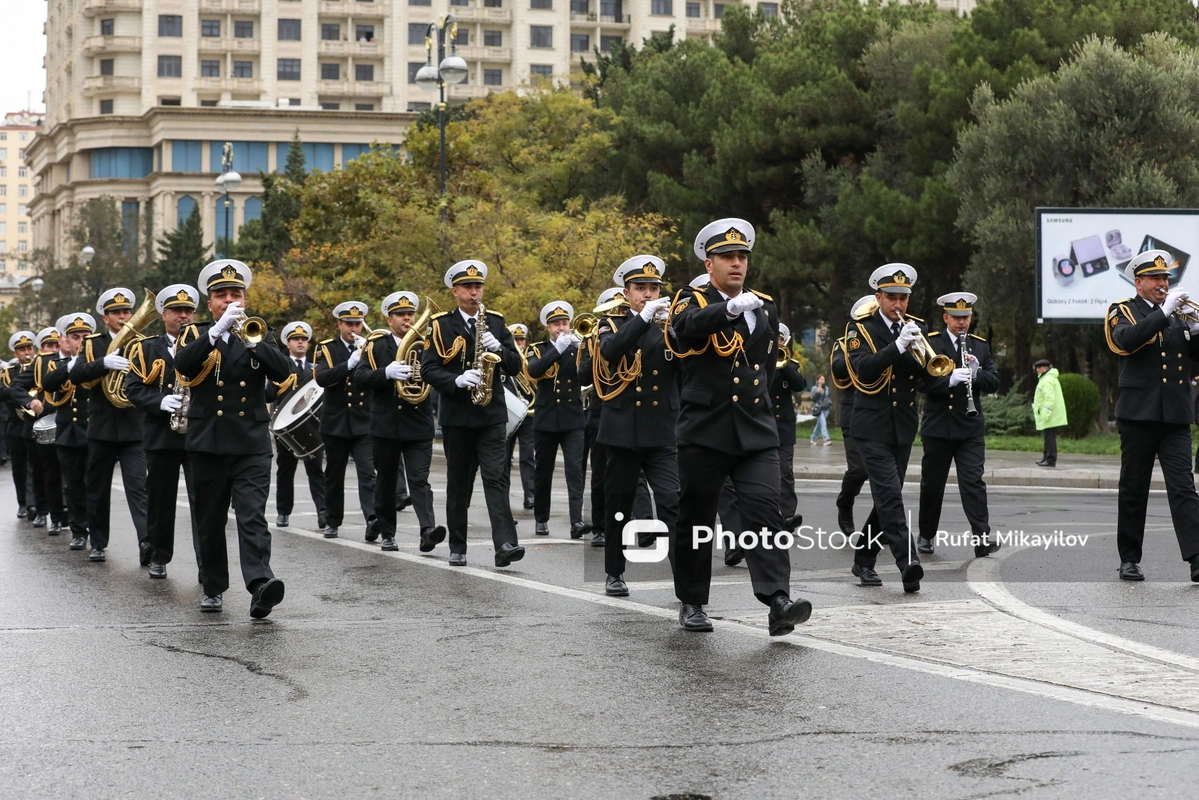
959	375
116	362
398	372
359	341
71	362
652	308
907	334
469	379
490	342
355	357
1193	327
171	403
564	341
1170	304
233	311
746	301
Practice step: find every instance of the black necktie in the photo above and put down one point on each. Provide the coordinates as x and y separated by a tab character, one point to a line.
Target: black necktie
299	364
470	323
895	329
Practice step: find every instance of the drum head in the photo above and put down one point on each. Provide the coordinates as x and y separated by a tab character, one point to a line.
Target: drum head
45	423
304	402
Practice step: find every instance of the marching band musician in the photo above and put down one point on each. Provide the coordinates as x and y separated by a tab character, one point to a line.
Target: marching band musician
401	430
151	386
70	432
21	344
949	433
886	377
855	471
787	381
524	431
473	435
727	337
346	419
113	434
638	386
553	366
47	473
611	301
296	337
228	436
1154	419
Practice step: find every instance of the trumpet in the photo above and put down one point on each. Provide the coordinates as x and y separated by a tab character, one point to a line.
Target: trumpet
584	325
784	357
1187	311
251	330
936	364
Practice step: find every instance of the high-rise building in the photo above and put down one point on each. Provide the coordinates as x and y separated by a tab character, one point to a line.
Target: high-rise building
16	182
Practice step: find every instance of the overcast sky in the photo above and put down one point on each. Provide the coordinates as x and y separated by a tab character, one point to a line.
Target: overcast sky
22	46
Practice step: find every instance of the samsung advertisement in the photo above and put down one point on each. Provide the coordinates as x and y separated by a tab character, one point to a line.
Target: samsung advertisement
1082	253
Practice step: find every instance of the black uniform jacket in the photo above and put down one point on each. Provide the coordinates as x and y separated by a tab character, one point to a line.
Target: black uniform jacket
451	353
346	411
70	402
646	411
558	380
106	422
886	380
392	417
1156	355
787	381
152	377
839	370
945	408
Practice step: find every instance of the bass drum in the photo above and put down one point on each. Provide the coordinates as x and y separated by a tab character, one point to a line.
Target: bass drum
296	423
517	407
45	429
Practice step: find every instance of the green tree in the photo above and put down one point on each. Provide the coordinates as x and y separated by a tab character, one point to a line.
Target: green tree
181	253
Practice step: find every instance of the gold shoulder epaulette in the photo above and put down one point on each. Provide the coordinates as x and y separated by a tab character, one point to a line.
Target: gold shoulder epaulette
495	313
934	333
976	336
763	295
327	341
94	335
378	334
439	314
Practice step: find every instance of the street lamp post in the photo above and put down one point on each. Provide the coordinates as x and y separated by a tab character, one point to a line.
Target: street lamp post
228	181
449	69
36	284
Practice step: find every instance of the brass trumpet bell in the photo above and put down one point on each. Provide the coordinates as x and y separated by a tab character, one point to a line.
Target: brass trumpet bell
251	330
933	362
585	325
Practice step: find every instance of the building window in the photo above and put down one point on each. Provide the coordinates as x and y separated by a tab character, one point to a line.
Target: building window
463	37
364	72
21	154
418	107
606	43
611	9
170	25
420	2
541	36
170	101
493	3
106	66
541	71
3	230
493	38
243	29
580	6
22	172
662	7
544	4
413	67
580	43
170	66
364	33
493	77
107	26
289	69
105	106
209	103
243	69
121	162
22	210
22	227
293	101
289	30
330	31
23	190
693	10
3	209
416	32
364	106
330	72
769	10
4	172
3	190
22	246
185	155
718	10
210	28
331	106
210	68
459	2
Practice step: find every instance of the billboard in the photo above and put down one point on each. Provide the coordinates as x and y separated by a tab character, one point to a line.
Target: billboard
1082	253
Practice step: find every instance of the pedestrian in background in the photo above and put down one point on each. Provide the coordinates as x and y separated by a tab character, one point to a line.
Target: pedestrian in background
1049	409
821	403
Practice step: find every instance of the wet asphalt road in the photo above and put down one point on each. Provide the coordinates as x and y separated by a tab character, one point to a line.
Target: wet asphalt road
395	675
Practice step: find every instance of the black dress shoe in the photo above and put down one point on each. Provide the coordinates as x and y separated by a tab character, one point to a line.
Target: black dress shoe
145	552
542	529
866	575
431	537
786	613
1195	569
924	545
614	586
1131	571
457	559
55	529
266	597
40	521
792	522
282	520
506	553
985	547
694	618
647	539
158	570
733	557
845	523
528	501
390	545
598	540
912	574
78	543
331	532
1044	463
212	603
321	522
96	555
578	529
403	501
22	513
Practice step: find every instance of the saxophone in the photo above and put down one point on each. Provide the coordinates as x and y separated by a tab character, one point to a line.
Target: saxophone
179	415
485	362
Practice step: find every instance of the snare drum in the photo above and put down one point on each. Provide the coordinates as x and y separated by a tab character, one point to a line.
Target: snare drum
517	406
44	429
297	422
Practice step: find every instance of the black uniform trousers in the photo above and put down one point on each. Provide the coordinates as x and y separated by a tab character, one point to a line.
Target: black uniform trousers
73	463
18	452
337	457
969	455
886	464
414	458
755	477
102	457
623	475
547	443
244	481
851	485
468	451
1140	444
47	481
528	458
788	502
285	481
162	492
598	454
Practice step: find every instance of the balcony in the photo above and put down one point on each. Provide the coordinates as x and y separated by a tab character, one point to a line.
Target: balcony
490	54
465	91
355	8
582	19
354	88
231	6
703	25
212	44
238	85
336	47
94	45
111	83
476	14
623	21
93	8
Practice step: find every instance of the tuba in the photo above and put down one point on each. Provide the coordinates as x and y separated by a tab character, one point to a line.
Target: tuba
414	390
485	362
130	332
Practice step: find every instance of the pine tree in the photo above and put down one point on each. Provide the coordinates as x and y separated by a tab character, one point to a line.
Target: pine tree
181	253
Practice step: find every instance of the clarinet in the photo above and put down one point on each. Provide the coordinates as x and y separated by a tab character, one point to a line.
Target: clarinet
971	411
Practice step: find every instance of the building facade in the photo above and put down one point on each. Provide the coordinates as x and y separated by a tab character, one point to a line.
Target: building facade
16	192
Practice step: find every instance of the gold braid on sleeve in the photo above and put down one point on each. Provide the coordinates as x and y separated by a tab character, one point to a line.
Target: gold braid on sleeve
439	345
865	388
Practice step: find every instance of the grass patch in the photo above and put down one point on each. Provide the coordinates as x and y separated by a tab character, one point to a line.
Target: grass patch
1097	444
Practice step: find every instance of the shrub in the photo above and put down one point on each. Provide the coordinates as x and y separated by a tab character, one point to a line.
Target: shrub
1009	414
1082	404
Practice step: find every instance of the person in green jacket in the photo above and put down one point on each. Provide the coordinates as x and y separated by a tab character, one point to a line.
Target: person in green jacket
1049	409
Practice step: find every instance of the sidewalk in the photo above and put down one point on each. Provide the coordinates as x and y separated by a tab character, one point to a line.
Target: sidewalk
1004	468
